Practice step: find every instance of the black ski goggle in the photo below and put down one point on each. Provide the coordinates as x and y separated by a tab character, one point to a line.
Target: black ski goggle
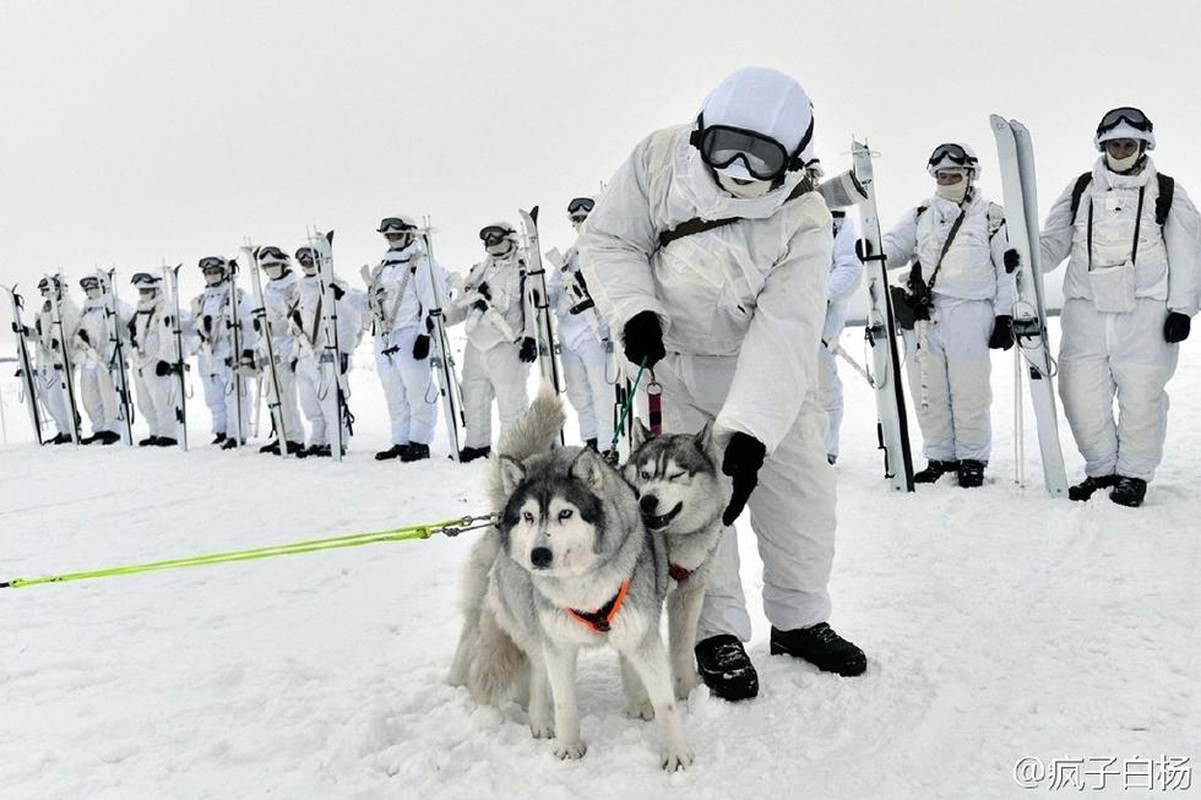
580	204
272	254
89	283
306	255
1128	114
951	152
494	234
764	157
144	278
212	263
395	225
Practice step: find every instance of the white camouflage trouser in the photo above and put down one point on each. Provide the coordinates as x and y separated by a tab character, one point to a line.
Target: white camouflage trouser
217	379
288	401
314	400
408	388
54	400
791	509
588	389
829	394
1103	356
947	361
99	397
496	372
157	395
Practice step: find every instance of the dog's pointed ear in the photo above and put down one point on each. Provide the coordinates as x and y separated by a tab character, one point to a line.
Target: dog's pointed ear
704	439
639	435
512	472
589	469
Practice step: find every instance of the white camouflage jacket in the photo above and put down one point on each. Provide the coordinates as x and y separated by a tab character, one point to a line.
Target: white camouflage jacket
753	291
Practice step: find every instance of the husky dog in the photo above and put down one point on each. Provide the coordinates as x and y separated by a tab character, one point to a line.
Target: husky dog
572	566
681	496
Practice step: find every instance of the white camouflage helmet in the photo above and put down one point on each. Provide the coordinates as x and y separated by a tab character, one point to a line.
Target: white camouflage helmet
954	155
1125	122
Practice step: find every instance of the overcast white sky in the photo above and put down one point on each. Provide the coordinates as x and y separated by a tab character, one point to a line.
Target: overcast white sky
140	131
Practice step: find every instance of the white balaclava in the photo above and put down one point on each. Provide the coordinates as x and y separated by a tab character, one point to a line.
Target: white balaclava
764	101
1124	130
147	297
955	192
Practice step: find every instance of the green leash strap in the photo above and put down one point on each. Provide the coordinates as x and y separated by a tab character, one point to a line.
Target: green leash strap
450	528
625	409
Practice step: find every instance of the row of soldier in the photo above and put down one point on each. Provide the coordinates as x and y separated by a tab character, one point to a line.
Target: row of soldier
278	335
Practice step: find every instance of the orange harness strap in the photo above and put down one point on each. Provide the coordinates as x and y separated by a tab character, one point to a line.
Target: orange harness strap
599	620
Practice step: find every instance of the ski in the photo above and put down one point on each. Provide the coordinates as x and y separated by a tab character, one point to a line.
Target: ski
1016	154
117	363
25	365
892	427
237	379
262	323
441	359
66	378
171	290
547	363
334	390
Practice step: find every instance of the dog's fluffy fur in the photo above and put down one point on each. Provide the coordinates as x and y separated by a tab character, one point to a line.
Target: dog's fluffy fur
681	496
570	536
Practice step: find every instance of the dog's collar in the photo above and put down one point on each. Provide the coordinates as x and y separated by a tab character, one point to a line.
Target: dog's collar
679	573
601	619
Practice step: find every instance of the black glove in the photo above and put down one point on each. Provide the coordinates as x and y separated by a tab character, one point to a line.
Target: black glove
481	305
163	369
484	290
296	320
258	326
343	362
19	331
338	291
247	361
429	324
581	306
863	249
643	339
83	337
529	350
1012	260
421	347
742	460
1176	327
1002	333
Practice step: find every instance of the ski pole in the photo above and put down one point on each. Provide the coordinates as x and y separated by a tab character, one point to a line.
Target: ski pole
451	527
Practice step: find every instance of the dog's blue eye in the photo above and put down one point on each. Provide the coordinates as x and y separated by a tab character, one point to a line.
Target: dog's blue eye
565	514
527	516
645	475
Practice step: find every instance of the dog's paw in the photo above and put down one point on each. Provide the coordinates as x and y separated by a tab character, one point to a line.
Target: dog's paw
542	730
675	759
686	683
570	750
641	709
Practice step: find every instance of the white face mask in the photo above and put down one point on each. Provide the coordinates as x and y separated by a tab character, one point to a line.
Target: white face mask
1121	164
955	192
742	188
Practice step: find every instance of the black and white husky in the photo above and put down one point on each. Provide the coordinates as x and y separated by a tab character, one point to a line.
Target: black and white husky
570	565
681	497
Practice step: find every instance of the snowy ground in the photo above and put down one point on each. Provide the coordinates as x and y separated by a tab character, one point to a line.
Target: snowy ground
999	624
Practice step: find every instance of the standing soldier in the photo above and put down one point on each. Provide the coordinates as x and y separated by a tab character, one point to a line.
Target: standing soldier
97	362
500	338
584	342
1132	239
155	370
400	294
281	295
217	360
53	365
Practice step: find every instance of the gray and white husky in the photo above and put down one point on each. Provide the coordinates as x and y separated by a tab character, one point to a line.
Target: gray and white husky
681	496
571	565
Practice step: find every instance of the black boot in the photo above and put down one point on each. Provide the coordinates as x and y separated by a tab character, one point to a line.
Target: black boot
108	437
320	451
934	470
165	441
60	438
219	438
1129	491
149	441
296	449
270	447
395	451
415	452
821	647
726	669
472	453
230	443
1085	489
89	439
971	473
592	444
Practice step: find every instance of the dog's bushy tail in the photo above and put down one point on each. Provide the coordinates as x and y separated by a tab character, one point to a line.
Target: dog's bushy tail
535	431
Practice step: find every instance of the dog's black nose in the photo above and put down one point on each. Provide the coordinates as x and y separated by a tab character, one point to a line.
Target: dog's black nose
541	557
648	503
